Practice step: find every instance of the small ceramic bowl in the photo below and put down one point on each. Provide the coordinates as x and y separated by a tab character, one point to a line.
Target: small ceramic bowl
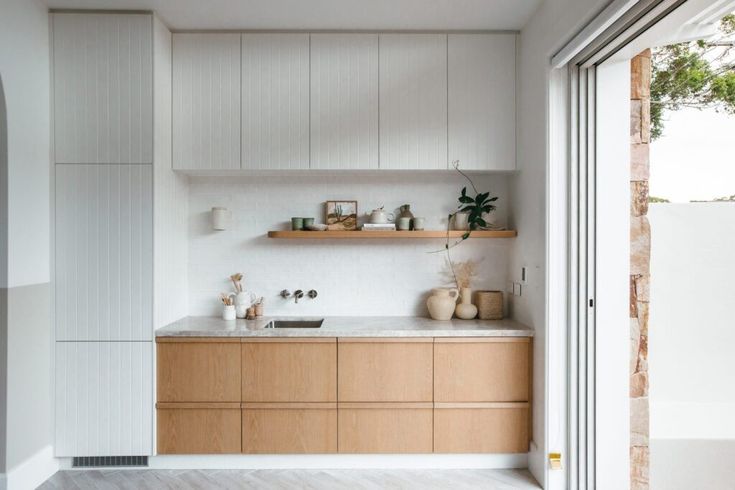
317	227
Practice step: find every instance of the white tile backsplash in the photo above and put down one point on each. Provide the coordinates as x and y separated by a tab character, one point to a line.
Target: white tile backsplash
353	277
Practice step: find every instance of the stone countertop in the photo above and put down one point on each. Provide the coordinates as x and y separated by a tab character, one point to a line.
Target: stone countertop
346	326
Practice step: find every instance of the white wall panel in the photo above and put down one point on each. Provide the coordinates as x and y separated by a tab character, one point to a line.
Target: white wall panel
103	91
104	252
413	101
206	101
104	398
344	101
275	101
482	105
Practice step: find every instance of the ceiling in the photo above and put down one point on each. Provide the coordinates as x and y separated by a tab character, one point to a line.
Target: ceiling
326	14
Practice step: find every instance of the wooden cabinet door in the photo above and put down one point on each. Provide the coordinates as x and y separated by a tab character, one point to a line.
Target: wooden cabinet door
275	101
198	369
385	428
206	101
102	88
344	101
198	428
289	428
385	370
491	369
482	109
413	101
289	370
481	428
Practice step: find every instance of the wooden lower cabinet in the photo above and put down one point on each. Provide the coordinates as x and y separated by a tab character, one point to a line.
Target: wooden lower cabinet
481	428
198	428
385	369
482	369
289	428
385	427
289	370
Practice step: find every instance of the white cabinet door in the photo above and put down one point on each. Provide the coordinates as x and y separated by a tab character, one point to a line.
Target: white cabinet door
344	101
102	88
413	101
482	101
275	101
104	252
104	399
206	101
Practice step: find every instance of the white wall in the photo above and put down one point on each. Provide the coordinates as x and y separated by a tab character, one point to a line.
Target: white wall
26	403
691	334
24	68
552	25
355	277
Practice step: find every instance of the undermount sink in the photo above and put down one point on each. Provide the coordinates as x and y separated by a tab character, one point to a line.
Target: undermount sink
295	323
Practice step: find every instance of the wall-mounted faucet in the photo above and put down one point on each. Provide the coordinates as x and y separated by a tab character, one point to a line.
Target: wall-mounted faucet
298	294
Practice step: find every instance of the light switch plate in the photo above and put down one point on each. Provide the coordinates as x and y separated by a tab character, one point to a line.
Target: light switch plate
509	287
517	289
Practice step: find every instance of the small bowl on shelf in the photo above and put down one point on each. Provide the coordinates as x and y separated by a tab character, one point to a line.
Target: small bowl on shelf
316	227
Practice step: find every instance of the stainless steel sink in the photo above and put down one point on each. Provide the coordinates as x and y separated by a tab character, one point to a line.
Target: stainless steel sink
314	323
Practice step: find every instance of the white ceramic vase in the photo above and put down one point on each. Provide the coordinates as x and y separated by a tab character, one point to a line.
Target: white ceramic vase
461	221
228	312
441	303
243	301
465	309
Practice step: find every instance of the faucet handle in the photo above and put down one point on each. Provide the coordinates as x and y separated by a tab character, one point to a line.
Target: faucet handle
298	293
285	293
312	294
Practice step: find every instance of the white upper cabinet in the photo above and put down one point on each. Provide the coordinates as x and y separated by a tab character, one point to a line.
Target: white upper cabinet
275	101
102	88
482	101
413	101
206	101
344	101
104	252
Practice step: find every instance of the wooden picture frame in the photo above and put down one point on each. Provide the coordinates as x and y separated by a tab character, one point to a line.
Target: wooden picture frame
341	215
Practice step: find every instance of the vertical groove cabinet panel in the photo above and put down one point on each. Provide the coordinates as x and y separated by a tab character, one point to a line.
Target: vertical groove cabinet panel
482	106
206	101
480	430
344	101
103	398
193	429
103	88
385	370
289	370
104	252
385	428
413	101
481	369
275	101
198	371
290	428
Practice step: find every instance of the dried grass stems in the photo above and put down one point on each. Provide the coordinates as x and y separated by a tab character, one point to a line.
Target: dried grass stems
461	273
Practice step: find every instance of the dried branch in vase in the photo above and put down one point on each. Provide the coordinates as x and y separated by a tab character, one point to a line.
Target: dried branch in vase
461	273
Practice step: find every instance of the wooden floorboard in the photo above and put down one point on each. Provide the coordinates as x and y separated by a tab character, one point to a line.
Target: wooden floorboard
114	479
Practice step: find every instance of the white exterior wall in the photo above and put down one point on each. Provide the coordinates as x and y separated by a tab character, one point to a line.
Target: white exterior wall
691	334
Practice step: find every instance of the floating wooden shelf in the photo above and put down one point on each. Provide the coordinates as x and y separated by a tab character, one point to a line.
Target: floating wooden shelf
321	235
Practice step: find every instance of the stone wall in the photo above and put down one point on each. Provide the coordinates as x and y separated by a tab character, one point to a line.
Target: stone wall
640	252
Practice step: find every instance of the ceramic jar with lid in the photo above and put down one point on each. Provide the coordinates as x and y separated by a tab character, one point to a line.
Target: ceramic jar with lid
406	213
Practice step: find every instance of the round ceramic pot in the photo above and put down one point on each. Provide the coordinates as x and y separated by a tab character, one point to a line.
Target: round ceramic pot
442	302
465	309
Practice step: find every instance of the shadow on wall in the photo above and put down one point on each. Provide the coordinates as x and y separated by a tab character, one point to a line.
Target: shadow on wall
3	273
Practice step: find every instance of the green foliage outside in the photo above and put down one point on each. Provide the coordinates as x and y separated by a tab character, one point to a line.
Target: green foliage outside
697	74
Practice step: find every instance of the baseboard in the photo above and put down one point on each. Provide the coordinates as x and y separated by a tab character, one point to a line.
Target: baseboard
33	471
342	461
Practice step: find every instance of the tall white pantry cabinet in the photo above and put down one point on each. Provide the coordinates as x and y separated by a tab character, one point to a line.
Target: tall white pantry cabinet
103	79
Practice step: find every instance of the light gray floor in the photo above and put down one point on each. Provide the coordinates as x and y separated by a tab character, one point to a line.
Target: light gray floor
687	464
292	479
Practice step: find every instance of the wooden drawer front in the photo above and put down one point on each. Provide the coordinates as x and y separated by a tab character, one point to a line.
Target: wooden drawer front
192	430
481	430
292	428
375	370
477	370
385	428
299	370
198	371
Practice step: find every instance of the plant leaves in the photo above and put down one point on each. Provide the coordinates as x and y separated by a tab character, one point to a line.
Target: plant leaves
493	199
465	199
464	191
466	235
481	222
487	208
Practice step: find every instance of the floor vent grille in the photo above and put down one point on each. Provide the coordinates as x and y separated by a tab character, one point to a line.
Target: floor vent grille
103	461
